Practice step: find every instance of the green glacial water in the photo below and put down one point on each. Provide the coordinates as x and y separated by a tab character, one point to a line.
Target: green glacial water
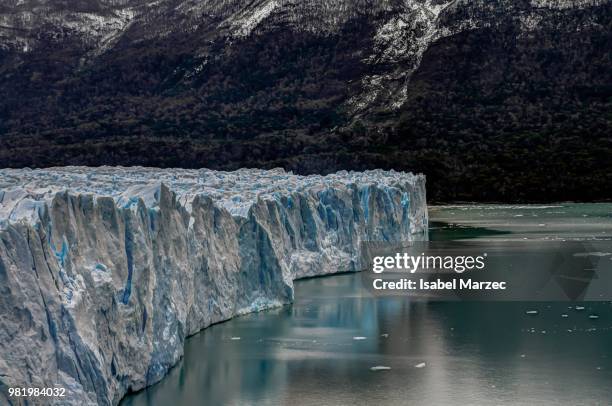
320	350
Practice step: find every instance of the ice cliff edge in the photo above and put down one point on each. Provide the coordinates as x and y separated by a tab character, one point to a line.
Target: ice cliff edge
105	271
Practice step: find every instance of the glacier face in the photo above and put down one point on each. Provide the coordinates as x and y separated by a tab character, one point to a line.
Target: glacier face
105	271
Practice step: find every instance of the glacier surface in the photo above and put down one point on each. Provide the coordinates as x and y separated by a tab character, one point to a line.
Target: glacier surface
105	271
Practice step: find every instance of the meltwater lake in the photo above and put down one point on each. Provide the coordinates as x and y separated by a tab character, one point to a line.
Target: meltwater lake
320	350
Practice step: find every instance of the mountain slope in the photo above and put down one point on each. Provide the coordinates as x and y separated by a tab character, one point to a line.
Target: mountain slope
493	100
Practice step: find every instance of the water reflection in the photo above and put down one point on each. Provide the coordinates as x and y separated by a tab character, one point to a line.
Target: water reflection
474	353
306	354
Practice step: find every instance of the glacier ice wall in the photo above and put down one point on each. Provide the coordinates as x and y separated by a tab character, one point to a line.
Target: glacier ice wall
105	271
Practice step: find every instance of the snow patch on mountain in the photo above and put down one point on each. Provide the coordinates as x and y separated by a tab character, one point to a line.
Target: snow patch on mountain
249	19
567	4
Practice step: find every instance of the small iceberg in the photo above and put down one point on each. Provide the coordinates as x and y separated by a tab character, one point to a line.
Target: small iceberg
579	307
235	338
380	368
532	312
421	365
357	338
593	316
384	335
564	315
593	254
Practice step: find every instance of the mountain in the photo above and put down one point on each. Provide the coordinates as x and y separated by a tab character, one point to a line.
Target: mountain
493	100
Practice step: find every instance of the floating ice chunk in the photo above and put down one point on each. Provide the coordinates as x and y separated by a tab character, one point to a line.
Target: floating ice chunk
380	368
359	338
564	315
385	335
579	308
593	316
235	338
531	312
593	254
420	365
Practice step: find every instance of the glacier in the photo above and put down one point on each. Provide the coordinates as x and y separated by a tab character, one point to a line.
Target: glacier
105	271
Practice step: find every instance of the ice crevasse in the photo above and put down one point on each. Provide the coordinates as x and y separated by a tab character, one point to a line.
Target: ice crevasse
105	271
